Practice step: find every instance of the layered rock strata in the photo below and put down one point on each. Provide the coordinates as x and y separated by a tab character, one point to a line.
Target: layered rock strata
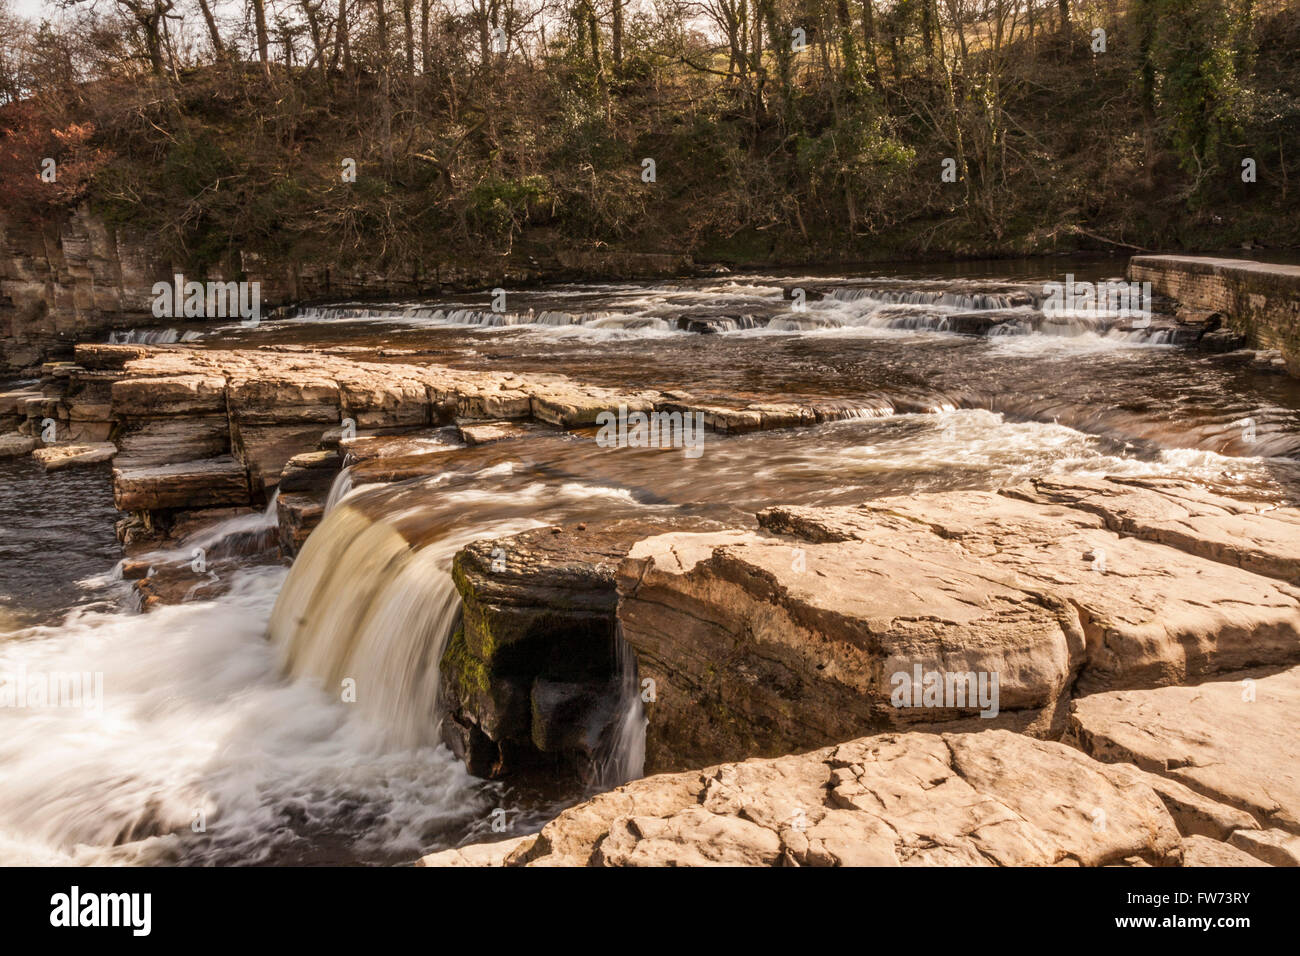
960	610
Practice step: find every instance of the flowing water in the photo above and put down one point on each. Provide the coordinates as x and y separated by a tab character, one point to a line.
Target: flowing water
292	718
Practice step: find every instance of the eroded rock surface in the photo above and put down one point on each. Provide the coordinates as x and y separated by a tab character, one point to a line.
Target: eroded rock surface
1255	535
193	412
915	799
791	637
1233	741
534	673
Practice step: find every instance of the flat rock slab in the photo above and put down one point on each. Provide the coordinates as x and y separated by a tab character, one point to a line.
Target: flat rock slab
1255	535
1153	614
1234	741
482	433
297	516
490	854
989	799
209	483
424	442
311	471
165	440
1202	851
58	457
14	445
12	402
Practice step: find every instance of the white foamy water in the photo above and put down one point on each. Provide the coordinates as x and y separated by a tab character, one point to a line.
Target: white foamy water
996	309
152	337
198	719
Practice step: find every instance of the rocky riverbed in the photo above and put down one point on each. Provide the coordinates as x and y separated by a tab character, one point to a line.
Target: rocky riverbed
902	622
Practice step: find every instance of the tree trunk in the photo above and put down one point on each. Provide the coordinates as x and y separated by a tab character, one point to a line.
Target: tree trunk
616	42
342	42
263	37
214	35
847	48
869	38
318	38
593	25
386	102
408	23
927	32
424	36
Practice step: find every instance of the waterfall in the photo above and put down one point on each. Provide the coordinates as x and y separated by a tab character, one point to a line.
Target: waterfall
152	337
240	536
361	611
416	314
955	300
340	488
622	755
365	611
370	605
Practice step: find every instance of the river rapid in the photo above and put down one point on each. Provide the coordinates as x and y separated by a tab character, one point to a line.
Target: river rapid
217	739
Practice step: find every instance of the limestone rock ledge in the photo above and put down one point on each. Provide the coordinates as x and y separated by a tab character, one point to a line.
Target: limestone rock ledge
792	635
915	799
213	428
761	643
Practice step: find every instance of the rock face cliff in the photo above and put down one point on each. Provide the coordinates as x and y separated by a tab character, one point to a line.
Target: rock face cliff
68	283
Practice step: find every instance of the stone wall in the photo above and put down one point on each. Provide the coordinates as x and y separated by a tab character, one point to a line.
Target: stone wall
1257	299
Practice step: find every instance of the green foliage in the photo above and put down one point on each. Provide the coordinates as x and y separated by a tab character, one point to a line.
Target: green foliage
500	207
195	162
1196	49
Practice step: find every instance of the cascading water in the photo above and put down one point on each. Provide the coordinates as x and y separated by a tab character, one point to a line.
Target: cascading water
152	337
319	745
622	755
370	604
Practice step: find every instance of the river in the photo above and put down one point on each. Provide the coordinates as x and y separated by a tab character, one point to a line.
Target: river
215	744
